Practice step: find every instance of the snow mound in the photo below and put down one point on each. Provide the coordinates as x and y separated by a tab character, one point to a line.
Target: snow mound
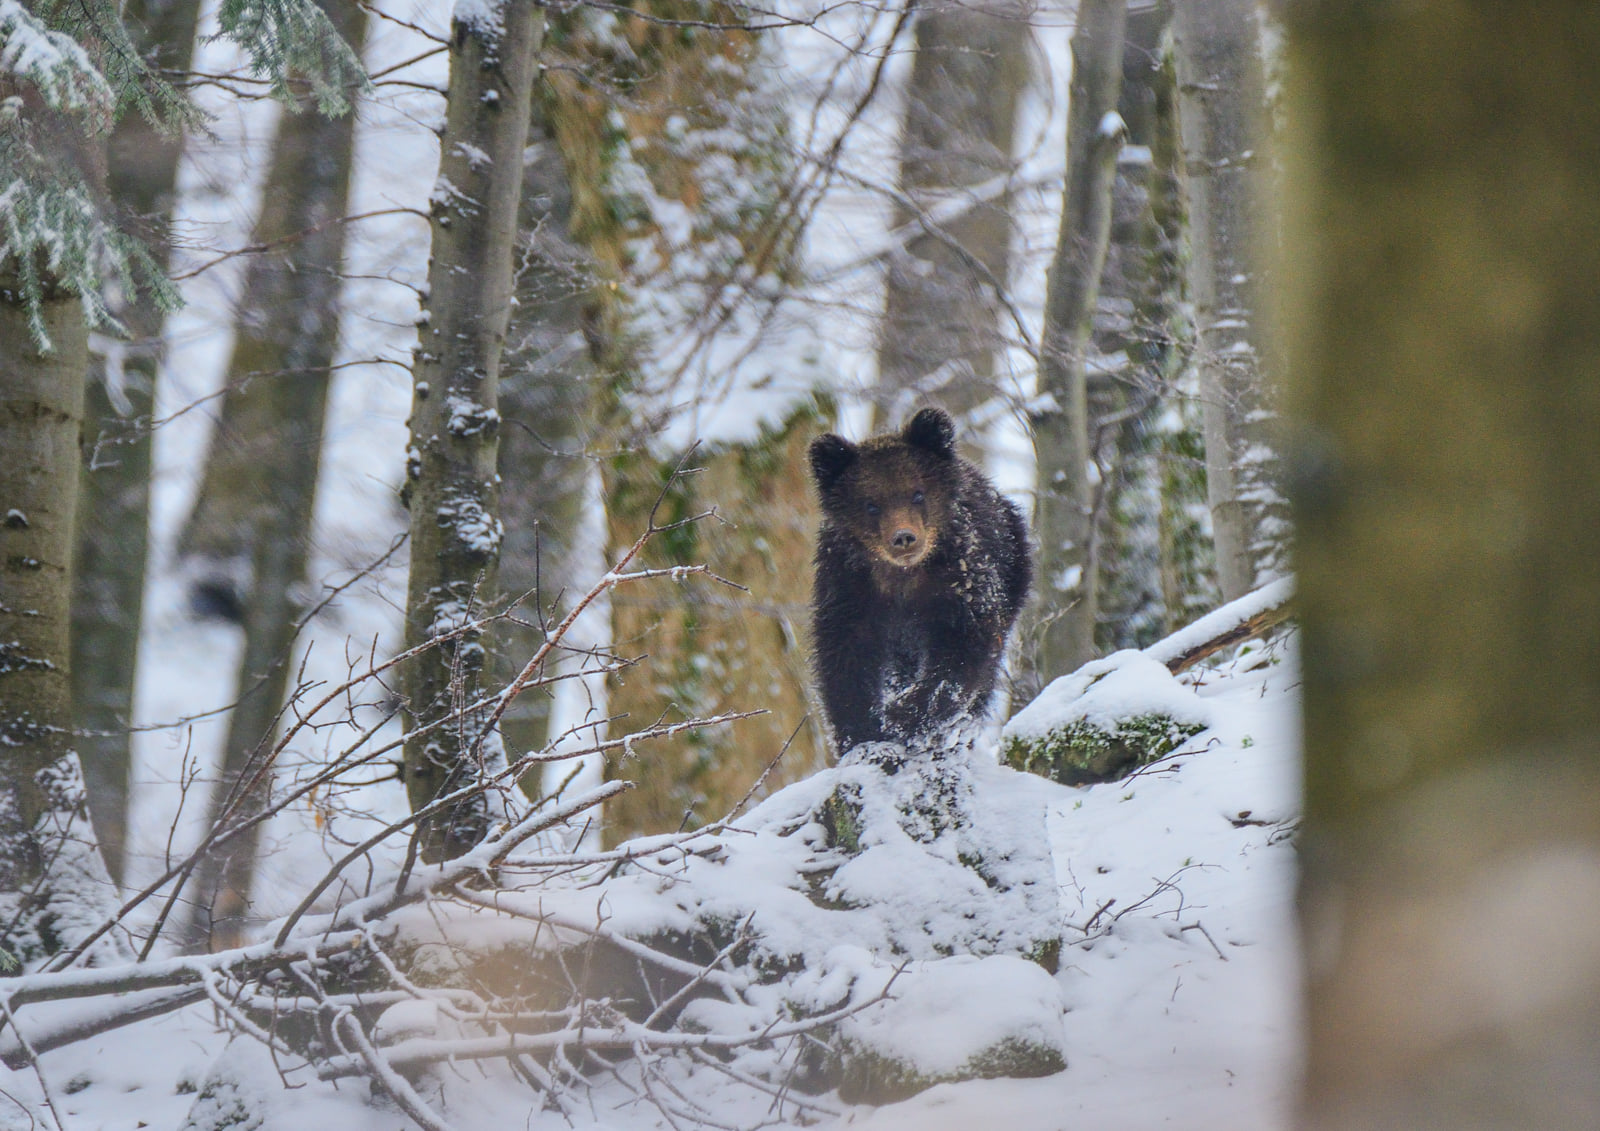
1010	1015
1108	717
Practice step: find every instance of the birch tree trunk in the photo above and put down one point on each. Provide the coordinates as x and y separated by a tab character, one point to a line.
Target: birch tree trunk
114	505
451	464
1059	634
1224	130
941	326
1442	279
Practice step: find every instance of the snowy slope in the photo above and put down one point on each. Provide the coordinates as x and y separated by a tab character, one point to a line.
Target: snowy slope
1178	980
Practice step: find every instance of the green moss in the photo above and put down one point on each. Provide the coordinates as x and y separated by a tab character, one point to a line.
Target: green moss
1081	753
841	817
868	1076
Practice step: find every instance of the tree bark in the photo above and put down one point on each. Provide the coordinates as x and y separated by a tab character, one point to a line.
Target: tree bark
1442	309
1223	100
451	465
1059	634
547	394
114	504
252	520
941	327
43	824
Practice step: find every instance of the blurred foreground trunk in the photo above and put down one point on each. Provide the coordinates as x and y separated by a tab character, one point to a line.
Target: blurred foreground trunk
1443	315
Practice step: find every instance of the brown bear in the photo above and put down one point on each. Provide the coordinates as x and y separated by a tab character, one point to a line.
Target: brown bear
922	568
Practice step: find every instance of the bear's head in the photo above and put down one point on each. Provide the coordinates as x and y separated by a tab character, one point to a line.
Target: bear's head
893	493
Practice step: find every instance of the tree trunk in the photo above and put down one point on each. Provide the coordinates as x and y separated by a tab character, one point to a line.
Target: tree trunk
1224	130
252	520
50	872
1059	634
451	466
712	649
1150	554
114	505
941	327
1442	297
547	380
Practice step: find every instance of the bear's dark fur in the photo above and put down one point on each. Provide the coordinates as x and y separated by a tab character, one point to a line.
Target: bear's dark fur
922	568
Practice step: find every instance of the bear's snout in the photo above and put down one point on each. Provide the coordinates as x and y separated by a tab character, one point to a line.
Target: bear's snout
903	539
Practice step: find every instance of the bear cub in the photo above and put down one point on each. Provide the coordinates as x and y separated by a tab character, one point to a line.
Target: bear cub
922	568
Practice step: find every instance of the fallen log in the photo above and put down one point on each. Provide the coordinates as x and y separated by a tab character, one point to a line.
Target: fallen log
1251	615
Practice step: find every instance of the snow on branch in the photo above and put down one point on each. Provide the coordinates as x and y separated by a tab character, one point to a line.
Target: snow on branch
1235	622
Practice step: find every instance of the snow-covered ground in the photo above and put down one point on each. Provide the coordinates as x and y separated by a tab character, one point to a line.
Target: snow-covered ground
1176	994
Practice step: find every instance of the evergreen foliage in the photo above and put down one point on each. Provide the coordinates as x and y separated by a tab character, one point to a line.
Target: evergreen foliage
67	71
291	40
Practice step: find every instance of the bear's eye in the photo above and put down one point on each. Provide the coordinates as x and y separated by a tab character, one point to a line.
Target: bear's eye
872	510
916	498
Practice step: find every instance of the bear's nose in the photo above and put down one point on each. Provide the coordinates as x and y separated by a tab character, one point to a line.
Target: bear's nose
904	539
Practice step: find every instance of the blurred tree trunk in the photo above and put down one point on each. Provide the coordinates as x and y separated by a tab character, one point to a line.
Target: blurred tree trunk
1059	630
943	315
251	526
49	867
547	383
714	649
689	121
114	504
451	467
1224	132
1442	285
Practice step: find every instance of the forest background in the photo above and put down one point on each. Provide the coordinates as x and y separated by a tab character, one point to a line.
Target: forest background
724	230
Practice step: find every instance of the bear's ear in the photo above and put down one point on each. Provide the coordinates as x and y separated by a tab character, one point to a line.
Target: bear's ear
831	456
932	430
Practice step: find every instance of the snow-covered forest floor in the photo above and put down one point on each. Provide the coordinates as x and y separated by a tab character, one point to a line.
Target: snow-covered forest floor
1174	1004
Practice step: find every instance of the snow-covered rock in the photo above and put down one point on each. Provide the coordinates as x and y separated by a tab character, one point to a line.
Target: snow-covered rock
1105	719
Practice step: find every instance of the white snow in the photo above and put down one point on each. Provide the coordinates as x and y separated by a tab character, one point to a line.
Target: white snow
1123	685
1174	1004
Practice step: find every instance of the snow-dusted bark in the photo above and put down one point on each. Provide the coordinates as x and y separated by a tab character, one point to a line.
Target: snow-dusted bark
50	871
1441	282
1221	82
1060	633
1152	549
943	321
451	486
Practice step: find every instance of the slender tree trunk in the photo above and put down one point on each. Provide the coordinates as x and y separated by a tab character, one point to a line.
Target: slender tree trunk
256	501
1060	632
114	508
1442	279
942	326
1224	128
451	490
